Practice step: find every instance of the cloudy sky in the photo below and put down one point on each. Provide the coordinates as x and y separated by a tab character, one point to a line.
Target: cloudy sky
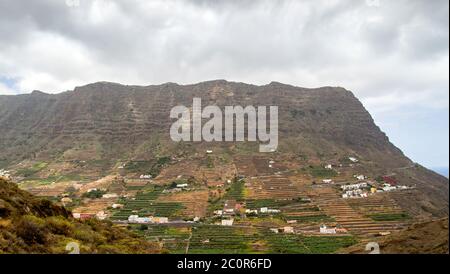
393	54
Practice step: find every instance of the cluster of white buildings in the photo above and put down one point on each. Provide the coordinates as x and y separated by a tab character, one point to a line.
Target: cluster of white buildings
354	190
354	186
360	190
331	230
5	174
262	210
388	187
268	210
356	193
145	176
135	219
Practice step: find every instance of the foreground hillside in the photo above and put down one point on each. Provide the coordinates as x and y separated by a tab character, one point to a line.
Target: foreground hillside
421	238
32	225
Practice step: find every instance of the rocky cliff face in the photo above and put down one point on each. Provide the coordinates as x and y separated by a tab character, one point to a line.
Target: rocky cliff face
118	119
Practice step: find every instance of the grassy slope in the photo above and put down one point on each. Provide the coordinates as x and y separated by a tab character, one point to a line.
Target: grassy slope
32	225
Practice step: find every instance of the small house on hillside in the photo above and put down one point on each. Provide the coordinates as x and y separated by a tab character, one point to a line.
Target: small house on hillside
325	230
227	222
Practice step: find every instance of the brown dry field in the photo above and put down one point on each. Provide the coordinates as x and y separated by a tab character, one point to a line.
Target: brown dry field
196	202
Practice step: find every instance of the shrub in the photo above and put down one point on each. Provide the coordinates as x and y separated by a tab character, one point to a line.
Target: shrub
59	225
31	230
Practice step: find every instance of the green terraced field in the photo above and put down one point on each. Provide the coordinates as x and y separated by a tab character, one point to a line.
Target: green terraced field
213	239
144	204
298	244
236	191
389	217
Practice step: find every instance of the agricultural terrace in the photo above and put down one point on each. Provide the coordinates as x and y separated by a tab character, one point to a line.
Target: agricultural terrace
211	239
145	204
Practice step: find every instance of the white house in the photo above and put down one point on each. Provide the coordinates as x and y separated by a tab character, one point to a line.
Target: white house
327	181
325	230
101	215
110	195
360	177
263	209
5	174
274	230
227	222
182	185
389	188
145	176
329	166
251	211
218	212
209	151
353	159
117	206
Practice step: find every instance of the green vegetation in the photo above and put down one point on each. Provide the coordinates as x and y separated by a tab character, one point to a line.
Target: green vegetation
147	167
94	194
235	191
299	244
144	204
161	209
221	240
321	172
174	239
389	217
138	166
27	172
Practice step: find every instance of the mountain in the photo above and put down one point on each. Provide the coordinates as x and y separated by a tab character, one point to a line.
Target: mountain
107	124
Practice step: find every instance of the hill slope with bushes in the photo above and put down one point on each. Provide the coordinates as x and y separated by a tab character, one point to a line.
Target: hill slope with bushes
32	225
